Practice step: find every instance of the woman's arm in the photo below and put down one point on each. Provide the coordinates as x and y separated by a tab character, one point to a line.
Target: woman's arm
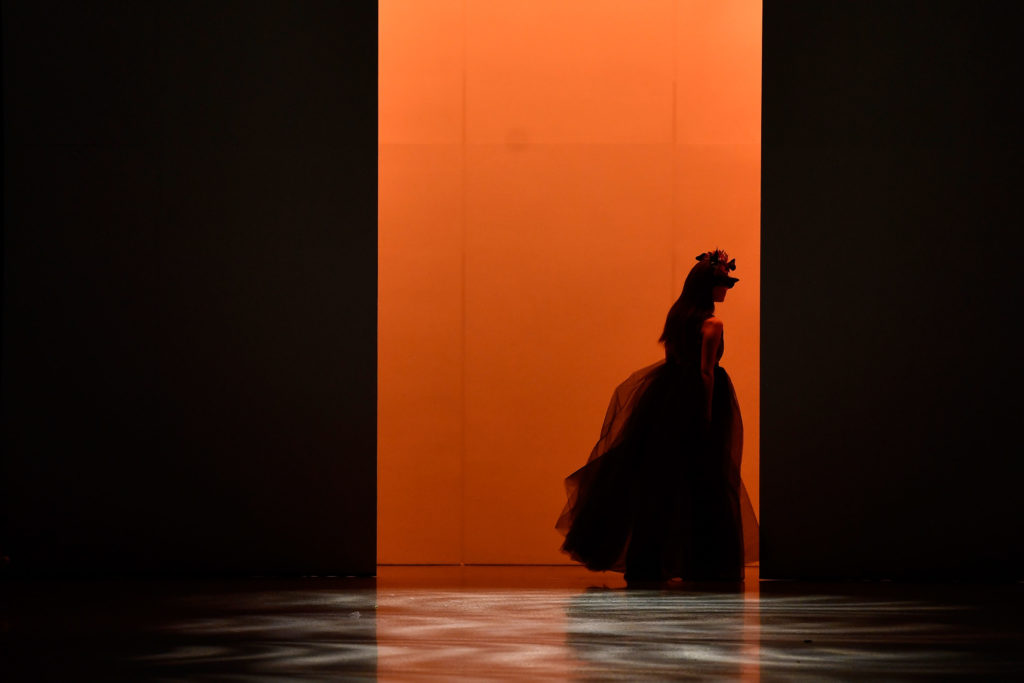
711	333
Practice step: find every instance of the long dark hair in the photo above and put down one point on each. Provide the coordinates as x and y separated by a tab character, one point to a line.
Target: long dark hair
694	305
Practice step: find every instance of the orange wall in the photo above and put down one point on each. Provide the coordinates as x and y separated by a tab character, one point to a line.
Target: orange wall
548	171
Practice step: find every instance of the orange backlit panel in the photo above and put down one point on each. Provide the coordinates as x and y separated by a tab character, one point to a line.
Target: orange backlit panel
548	171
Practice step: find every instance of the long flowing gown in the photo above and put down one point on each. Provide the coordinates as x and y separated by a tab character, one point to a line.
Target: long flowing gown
661	495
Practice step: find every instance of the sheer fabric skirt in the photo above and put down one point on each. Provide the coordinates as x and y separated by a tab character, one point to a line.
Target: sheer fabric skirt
661	495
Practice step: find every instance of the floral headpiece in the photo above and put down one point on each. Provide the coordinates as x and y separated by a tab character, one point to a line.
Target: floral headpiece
718	257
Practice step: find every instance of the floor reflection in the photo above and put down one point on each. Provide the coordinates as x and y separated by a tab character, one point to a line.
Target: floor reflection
522	623
300	633
135	630
621	634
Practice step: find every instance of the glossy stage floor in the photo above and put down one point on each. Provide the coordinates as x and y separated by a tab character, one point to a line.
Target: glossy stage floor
518	623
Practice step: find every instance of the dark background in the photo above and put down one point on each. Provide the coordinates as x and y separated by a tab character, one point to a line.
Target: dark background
189	311
891	242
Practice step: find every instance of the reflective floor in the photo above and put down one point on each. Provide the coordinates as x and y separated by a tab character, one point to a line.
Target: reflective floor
519	623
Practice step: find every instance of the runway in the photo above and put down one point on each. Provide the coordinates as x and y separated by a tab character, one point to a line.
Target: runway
506	623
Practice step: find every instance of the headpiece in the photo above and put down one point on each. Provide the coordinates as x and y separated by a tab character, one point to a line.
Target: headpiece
719	258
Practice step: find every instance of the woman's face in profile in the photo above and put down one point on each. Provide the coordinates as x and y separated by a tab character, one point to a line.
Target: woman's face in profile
718	292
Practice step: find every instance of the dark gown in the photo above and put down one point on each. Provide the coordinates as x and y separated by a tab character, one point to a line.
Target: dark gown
661	495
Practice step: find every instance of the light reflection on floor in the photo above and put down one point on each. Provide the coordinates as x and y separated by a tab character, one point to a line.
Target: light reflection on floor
489	623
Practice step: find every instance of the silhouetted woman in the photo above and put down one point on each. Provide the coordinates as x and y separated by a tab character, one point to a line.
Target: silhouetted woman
661	496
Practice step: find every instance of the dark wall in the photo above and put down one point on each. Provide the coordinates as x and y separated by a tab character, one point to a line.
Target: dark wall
189	311
891	238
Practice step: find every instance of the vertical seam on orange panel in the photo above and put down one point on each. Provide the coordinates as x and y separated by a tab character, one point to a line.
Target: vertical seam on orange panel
674	152
462	455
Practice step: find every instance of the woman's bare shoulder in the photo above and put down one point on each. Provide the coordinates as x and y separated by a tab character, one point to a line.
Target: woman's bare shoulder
713	323
711	328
